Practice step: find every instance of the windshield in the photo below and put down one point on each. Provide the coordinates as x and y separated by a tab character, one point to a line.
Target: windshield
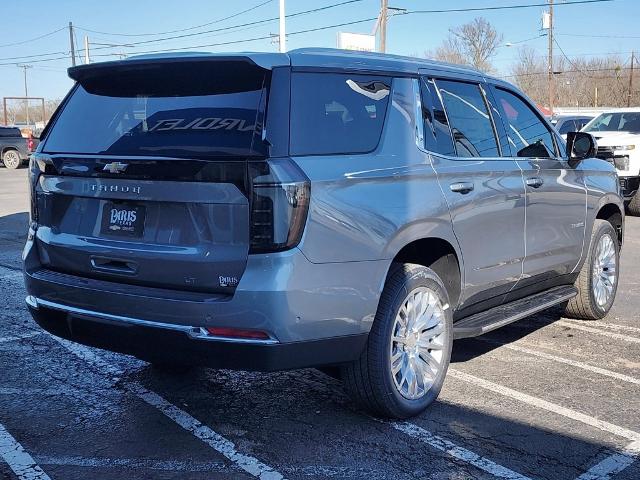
615	122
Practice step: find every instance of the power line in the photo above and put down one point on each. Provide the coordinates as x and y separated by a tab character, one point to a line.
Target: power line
597	36
250	9
408	12
256	22
247	24
355	22
32	39
590	70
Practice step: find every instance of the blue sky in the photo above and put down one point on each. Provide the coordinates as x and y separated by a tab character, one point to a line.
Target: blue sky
410	34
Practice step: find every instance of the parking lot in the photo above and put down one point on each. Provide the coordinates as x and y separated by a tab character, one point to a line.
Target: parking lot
545	398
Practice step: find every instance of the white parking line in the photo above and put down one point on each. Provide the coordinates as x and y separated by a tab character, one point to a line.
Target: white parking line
545	405
18	460
613	464
426	436
457	451
567	361
611	326
11	276
13	338
617	336
216	441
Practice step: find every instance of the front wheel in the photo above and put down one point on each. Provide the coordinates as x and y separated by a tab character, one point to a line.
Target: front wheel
404	363
597	283
11	159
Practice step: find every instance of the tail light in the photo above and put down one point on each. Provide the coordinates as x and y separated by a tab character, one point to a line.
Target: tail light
280	194
37	165
30	144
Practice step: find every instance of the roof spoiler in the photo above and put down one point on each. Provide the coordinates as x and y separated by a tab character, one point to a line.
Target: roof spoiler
264	61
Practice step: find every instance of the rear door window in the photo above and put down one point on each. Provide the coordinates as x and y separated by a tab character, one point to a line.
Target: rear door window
337	113
469	118
437	134
529	136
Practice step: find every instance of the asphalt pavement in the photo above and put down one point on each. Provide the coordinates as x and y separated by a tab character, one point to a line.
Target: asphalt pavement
544	398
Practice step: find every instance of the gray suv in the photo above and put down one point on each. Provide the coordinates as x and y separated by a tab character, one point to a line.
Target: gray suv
319	208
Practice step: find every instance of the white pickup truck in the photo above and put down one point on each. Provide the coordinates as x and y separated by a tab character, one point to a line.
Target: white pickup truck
618	136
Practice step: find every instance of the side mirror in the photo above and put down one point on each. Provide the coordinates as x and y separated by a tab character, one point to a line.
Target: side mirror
581	145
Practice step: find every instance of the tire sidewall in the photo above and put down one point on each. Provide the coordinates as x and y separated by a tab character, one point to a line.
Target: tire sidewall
603	229
417	277
6	159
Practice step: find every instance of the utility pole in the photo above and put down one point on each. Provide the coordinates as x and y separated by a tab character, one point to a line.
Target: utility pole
283	34
73	48
87	60
550	78
631	80
383	25
26	90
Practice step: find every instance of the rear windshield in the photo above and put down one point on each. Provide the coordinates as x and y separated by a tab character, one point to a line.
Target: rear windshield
337	113
194	112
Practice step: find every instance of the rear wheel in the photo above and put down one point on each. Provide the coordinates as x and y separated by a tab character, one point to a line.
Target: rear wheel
634	205
11	159
402	369
598	280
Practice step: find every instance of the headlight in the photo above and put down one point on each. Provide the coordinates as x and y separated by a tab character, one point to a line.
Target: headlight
624	147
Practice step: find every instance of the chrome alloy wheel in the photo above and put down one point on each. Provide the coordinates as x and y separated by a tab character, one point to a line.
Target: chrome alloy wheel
604	270
11	159
417	342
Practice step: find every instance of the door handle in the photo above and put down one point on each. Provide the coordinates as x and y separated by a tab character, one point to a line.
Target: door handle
534	182
461	187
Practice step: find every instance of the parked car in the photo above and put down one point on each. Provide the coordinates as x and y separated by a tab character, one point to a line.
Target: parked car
570	123
14	148
316	208
618	136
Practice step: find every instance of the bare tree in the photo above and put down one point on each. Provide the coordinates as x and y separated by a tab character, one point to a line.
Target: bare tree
579	82
473	43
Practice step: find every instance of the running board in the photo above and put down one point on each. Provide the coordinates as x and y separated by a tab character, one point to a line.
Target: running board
505	314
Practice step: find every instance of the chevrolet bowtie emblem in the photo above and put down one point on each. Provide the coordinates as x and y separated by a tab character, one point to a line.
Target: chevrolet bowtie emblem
115	167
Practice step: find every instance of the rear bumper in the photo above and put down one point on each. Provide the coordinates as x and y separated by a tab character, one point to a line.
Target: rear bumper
157	342
314	314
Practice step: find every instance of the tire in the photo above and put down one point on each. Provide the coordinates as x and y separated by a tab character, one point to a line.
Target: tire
370	380
11	159
604	271
634	205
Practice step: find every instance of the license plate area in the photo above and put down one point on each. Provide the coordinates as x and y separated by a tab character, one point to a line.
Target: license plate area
123	219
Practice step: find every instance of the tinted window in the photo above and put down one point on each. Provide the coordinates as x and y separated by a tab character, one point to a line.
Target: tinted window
528	135
161	115
336	113
566	127
437	134
10	132
469	119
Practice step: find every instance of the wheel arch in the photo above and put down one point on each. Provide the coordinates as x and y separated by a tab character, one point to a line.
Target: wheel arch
9	147
438	254
612	213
